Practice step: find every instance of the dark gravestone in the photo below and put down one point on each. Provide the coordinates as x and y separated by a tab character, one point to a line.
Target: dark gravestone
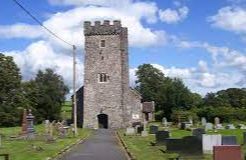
192	145
229	140
140	129
153	129
183	126
161	136
244	137
174	144
189	145
198	132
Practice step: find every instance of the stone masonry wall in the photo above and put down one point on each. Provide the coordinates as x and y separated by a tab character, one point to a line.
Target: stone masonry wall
112	97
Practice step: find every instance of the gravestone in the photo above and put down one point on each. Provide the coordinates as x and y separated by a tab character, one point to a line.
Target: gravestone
174	144
204	121
51	127
48	136
61	130
189	145
153	129
208	126
242	126
192	145
144	133
161	136
198	132
191	120
220	126
208	141
229	140
164	121
230	126
139	129
46	126
30	126
230	152
24	123
216	122
183	126
244	137
130	131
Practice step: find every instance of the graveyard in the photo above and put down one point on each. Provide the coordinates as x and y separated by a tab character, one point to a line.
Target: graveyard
122	80
46	141
170	146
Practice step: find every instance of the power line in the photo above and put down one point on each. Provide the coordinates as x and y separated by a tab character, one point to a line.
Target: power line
74	61
40	23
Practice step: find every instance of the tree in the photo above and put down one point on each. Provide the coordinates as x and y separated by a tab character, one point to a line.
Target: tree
11	97
50	92
149	82
167	93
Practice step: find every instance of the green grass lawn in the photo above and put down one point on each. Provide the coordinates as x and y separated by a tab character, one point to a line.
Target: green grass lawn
141	148
66	110
24	150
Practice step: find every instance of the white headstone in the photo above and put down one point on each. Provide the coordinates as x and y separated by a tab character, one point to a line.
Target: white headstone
191	120
144	133
231	126
130	131
46	124
242	126
220	126
164	121
204	121
208	126
216	122
208	141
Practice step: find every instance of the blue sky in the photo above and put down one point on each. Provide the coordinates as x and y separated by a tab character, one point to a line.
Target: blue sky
201	42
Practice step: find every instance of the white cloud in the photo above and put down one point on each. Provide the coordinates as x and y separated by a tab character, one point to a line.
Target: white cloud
173	16
108	3
21	30
47	51
69	25
40	55
230	18
202	66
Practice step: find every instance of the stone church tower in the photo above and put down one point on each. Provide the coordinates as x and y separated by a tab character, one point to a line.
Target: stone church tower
108	100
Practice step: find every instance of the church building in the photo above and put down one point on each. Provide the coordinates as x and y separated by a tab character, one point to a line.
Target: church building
108	101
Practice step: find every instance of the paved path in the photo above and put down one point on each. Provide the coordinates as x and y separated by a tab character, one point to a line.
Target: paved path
103	145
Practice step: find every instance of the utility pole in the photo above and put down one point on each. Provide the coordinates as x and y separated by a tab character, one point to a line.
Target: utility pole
74	93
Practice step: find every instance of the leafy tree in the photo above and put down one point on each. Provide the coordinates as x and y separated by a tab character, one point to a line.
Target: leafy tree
166	92
235	97
149	82
49	93
11	97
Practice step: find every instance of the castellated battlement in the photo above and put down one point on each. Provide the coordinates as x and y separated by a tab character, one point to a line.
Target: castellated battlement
104	28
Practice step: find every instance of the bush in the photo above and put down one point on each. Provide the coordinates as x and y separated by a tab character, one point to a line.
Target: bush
159	115
226	114
183	115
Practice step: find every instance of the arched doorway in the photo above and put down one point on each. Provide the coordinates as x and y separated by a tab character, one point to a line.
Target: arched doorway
102	120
